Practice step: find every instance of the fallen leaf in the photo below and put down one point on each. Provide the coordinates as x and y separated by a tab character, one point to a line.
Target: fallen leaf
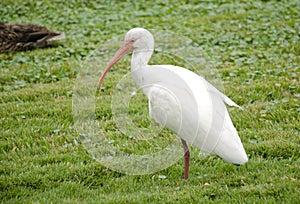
162	176
293	179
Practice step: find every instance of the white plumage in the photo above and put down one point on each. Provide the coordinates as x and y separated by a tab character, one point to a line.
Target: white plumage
182	101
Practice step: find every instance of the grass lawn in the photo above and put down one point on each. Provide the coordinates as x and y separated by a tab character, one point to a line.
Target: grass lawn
252	47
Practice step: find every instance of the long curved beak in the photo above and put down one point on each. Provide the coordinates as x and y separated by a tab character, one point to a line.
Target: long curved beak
124	49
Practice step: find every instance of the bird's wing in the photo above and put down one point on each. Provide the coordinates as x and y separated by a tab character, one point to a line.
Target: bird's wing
226	99
171	99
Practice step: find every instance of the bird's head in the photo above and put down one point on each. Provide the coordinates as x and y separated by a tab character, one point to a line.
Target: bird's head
140	39
137	40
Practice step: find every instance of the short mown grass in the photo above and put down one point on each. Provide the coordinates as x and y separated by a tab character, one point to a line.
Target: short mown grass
254	49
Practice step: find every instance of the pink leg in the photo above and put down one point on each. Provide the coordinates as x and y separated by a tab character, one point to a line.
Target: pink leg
186	159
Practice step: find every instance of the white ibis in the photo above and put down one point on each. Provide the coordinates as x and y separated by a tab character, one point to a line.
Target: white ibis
182	101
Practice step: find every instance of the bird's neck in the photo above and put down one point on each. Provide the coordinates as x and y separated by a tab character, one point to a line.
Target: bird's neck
140	59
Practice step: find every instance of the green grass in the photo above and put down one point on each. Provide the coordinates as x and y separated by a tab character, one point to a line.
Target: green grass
253	47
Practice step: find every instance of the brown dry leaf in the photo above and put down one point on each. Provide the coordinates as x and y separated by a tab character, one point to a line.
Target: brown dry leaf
61	97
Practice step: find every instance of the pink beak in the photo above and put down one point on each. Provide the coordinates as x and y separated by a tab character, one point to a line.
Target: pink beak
124	49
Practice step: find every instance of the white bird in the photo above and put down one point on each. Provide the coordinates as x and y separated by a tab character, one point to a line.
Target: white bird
182	101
